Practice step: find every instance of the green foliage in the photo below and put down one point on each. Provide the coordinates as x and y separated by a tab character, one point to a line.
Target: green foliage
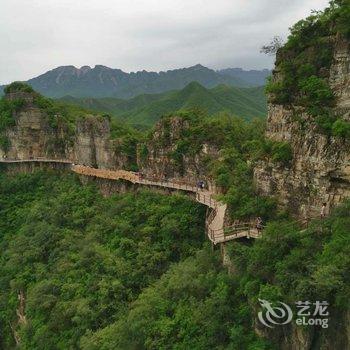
304	62
7	120
123	272
342	16
7	109
281	152
324	120
143	152
144	110
193	306
80	258
130	271
4	143
239	144
341	128
279	91
18	86
298	265
315	91
60	113
126	141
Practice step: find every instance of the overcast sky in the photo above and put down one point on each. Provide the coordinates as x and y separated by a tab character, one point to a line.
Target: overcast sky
39	35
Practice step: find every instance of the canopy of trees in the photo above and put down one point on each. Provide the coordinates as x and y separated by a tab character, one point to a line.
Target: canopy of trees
134	271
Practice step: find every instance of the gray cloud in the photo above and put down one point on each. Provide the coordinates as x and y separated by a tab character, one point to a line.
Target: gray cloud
132	35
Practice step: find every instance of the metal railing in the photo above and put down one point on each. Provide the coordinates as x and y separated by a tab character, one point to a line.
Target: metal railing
202	196
37	159
206	199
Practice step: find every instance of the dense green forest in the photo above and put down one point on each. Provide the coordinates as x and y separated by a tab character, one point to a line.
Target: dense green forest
145	110
134	271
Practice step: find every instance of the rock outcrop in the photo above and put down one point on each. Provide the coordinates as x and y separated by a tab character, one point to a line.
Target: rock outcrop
34	136
160	157
320	169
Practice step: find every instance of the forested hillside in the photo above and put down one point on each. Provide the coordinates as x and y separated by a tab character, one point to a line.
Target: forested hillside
133	271
145	110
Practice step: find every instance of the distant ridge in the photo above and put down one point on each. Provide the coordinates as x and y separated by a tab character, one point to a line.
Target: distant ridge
252	77
102	81
146	109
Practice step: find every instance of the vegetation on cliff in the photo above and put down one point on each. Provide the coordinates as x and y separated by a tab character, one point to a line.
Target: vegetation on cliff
303	64
18	86
124	271
286	264
134	270
60	117
7	109
293	265
81	258
238	144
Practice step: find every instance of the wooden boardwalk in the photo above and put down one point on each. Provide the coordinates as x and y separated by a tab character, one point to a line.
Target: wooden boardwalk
216	230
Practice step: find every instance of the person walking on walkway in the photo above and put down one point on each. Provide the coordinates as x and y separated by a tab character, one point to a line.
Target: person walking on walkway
259	224
200	185
323	210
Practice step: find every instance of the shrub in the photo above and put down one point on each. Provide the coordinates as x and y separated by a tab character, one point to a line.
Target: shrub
7	108
281	152
325	122
4	143
143	152
306	70
341	128
18	86
315	91
278	91
342	14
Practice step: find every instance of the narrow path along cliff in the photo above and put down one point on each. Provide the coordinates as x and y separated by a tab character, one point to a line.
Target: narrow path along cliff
216	230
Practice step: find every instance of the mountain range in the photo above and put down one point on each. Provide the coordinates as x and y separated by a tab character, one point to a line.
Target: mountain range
146	109
252	77
102	81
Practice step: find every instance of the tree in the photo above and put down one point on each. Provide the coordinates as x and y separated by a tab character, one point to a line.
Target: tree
275	44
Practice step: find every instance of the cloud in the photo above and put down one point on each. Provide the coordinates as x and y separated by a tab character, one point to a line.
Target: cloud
132	35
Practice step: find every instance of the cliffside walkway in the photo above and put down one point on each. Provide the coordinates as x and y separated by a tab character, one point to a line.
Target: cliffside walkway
216	230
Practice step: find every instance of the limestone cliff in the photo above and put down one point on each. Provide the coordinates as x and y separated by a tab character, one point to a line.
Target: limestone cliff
34	135
320	169
163	156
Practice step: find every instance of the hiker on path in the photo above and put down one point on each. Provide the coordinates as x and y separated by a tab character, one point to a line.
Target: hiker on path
200	185
323	210
259	224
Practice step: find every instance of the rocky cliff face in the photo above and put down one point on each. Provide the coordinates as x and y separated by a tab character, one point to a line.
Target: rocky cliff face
33	136
90	143
320	169
161	156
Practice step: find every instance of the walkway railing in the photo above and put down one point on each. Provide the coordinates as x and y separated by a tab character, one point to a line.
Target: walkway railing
35	160
216	231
